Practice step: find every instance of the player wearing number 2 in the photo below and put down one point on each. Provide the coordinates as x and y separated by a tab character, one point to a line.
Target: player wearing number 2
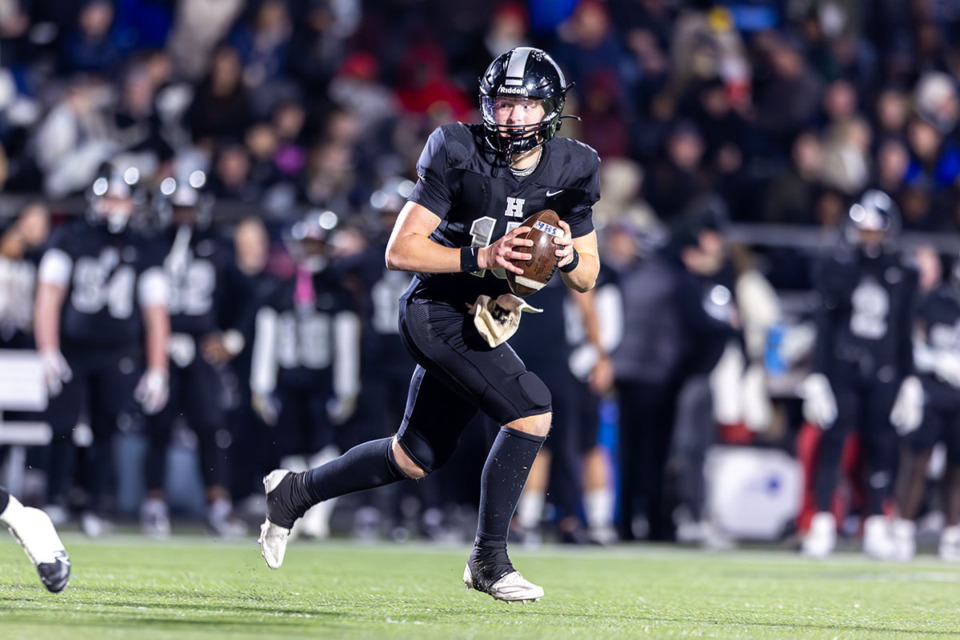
458	232
195	260
101	330
862	369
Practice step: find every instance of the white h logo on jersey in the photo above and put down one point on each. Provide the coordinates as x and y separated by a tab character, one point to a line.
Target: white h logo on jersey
514	208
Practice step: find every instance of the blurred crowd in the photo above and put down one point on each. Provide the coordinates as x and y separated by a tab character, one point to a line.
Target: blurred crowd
314	112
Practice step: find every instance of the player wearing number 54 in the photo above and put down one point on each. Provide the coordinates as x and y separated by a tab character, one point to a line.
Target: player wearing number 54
101	328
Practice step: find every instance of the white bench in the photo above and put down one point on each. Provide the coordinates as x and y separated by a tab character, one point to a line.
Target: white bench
21	389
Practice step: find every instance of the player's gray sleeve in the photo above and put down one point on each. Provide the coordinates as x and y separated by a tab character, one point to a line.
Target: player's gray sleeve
263	368
153	288
609	304
346	361
55	268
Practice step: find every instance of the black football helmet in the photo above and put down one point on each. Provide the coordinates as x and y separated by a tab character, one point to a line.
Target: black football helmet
874	212
308	240
185	200
523	72
114	196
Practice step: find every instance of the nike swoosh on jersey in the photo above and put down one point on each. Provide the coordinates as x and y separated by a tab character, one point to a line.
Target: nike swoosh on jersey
550	194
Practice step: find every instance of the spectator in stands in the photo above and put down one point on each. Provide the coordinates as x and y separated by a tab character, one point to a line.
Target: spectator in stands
75	137
846	163
230	179
319	43
199	26
221	106
786	94
19	246
789	197
678	177
90	45
891	111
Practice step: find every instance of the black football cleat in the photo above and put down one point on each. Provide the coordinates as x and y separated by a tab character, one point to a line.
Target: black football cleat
55	575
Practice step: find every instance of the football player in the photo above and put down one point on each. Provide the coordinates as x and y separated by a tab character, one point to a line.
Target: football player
459	232
195	259
101	332
305	374
937	355
35	532
862	362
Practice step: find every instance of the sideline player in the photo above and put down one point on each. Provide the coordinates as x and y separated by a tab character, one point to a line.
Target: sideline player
458	232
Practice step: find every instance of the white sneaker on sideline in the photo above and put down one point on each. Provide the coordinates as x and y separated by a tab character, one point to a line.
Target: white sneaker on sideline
821	540
155	519
878	538
949	549
904	539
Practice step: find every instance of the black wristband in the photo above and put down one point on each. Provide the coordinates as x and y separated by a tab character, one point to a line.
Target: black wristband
572	264
468	259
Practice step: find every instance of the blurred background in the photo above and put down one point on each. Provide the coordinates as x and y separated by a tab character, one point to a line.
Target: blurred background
741	130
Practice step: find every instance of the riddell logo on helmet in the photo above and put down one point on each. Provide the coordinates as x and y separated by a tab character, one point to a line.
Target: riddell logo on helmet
521	90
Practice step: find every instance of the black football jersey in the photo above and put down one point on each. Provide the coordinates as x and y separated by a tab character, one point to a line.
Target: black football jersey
479	199
305	333
865	315
380	291
939	313
195	271
101	306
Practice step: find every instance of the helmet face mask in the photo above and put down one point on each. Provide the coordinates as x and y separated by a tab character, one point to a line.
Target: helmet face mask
114	197
522	79
874	222
309	239
184	202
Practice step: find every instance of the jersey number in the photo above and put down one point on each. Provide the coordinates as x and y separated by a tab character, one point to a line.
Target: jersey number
871	305
95	287
193	294
385	297
482	233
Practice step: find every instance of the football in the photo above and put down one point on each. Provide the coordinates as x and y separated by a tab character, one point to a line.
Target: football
542	264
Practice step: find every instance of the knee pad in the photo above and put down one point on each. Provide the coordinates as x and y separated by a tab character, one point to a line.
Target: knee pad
535	391
423	454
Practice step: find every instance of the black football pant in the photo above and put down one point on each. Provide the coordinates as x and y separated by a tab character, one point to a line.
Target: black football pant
196	394
694	432
862	407
303	425
103	383
563	441
646	421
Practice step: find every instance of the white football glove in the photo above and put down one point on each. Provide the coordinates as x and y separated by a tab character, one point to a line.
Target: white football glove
946	366
153	390
819	403
907	413
341	408
56	371
266	407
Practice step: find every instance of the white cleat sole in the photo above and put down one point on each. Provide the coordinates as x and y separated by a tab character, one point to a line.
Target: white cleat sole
273	538
512	587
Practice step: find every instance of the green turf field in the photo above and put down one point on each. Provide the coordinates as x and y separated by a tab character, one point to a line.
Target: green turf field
195	588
